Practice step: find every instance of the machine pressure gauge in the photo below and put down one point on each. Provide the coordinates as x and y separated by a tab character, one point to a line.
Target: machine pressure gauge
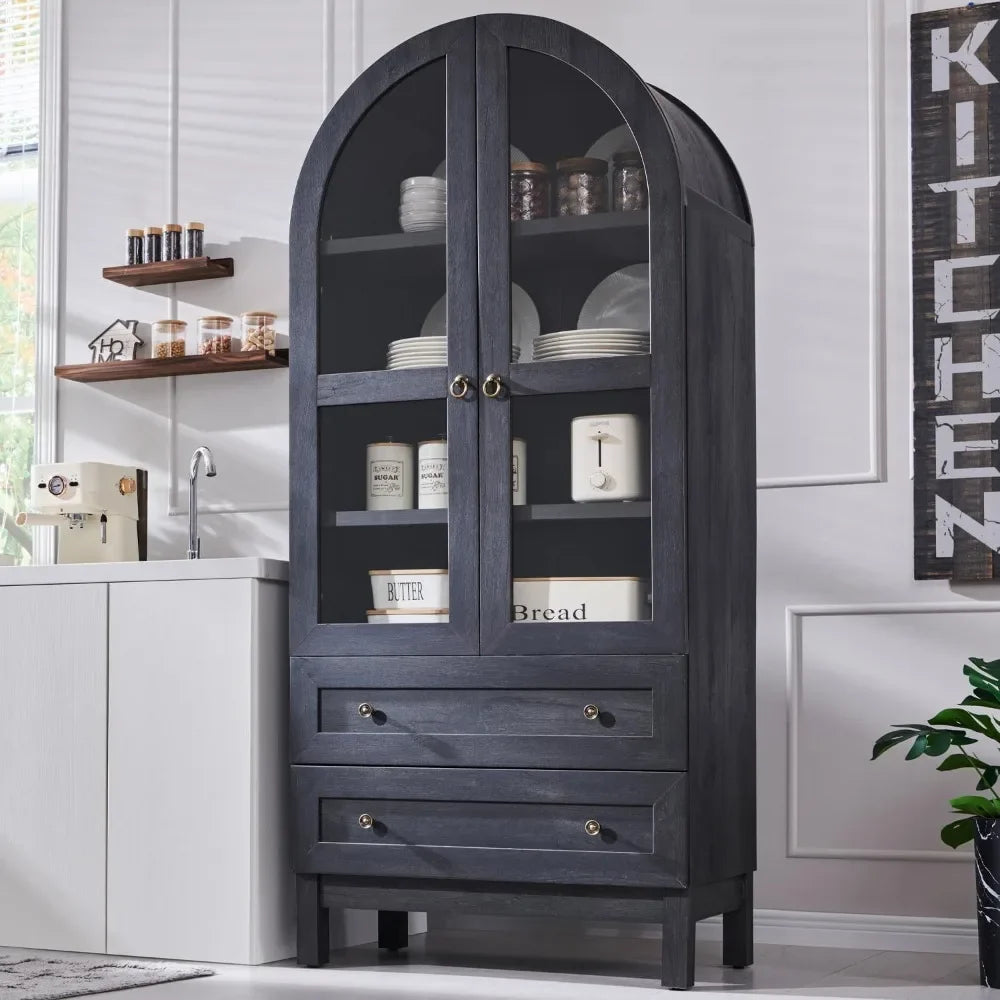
57	485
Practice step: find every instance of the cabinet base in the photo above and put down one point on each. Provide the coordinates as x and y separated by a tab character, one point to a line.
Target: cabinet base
676	911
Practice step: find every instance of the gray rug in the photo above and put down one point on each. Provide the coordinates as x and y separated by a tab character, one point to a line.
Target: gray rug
37	977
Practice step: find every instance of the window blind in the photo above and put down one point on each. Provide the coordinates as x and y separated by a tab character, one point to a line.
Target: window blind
19	40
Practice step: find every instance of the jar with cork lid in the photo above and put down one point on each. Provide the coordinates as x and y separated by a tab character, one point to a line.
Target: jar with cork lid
194	240
582	185
215	335
169	338
258	330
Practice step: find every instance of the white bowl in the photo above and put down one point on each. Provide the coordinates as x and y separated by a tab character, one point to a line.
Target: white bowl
390	616
581	599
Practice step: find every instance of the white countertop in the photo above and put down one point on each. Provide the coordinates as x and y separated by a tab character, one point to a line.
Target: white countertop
242	567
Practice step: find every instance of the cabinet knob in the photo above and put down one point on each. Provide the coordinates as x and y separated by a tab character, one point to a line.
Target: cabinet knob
365	710
492	385
592	828
366	821
459	386
591	712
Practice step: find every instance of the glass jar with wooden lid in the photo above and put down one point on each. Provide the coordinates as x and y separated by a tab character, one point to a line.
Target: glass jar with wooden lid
169	338
215	335
529	191
258	330
582	186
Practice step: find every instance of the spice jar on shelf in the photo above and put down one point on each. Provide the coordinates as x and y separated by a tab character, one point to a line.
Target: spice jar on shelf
134	246
154	244
171	241
258	330
194	239
628	182
582	185
169	338
215	335
529	191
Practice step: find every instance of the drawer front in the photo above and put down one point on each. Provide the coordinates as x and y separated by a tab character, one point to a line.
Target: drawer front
498	824
525	711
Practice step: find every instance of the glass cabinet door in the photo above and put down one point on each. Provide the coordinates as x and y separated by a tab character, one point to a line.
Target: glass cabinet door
584	540
396	434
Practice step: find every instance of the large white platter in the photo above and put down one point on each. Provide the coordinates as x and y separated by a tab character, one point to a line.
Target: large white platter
621	300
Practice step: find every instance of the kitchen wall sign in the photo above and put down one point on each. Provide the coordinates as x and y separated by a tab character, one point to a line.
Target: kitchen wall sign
117	342
955	73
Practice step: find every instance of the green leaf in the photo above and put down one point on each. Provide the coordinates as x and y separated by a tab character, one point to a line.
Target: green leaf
937	743
919	746
955	762
978	700
967	720
960	832
982	681
989	778
976	805
890	739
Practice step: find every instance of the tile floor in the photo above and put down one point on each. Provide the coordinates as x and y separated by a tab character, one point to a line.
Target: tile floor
463	966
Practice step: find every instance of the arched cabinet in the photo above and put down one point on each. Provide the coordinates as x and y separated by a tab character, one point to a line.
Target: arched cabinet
573	731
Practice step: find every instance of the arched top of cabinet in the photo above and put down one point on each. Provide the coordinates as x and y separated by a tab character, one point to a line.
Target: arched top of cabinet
679	148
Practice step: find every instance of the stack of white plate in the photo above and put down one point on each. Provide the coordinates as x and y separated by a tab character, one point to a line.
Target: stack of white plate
423	352
601	343
422	204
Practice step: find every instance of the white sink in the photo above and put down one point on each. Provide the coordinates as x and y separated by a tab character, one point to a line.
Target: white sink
237	567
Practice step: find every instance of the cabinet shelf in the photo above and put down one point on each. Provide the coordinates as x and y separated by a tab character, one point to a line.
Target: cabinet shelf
162	272
188	364
612	510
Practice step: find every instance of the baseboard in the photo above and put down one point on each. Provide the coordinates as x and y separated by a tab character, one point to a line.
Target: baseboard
826	930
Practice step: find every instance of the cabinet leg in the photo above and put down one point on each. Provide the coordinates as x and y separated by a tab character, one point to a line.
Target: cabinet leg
313	944
677	959
393	929
737	930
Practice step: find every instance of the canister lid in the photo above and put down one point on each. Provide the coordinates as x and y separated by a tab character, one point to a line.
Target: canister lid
582	164
171	324
154	231
195	225
259	314
406	572
133	232
216	322
172	227
528	167
627	157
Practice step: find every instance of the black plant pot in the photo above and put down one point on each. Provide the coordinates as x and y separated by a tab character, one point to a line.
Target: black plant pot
987	845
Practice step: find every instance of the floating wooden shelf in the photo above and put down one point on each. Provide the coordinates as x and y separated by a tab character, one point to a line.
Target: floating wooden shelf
161	272
189	364
610	510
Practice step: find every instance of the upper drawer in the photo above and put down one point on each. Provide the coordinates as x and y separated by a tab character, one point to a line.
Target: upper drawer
626	712
566	827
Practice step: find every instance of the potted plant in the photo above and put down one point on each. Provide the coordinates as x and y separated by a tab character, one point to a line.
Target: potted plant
956	729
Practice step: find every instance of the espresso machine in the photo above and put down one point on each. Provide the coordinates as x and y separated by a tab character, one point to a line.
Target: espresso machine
99	509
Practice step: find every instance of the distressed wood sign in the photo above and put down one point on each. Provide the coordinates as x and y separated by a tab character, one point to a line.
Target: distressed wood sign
955	95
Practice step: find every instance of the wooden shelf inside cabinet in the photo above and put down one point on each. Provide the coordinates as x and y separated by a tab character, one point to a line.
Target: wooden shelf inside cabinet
612	510
161	272
341	388
386	518
528	378
189	364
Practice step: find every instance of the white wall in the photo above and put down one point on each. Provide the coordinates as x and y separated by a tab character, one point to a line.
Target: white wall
204	108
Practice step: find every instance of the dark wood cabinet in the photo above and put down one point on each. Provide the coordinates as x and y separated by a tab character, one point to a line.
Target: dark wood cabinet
484	762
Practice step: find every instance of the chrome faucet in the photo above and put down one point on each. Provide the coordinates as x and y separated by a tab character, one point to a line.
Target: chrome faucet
194	542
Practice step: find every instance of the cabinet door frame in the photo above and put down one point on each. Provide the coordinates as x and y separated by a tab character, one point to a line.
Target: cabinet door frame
309	390
667	631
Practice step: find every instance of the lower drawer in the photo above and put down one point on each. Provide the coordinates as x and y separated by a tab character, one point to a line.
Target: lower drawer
562	827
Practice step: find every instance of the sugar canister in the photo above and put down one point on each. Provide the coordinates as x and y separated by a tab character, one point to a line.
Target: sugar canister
390	476
432	474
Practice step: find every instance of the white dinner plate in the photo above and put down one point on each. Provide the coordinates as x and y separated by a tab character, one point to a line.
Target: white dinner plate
618	140
516	156
620	300
608	331
395	366
524	321
420	227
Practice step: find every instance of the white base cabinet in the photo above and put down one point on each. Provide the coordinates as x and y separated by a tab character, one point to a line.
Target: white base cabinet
143	780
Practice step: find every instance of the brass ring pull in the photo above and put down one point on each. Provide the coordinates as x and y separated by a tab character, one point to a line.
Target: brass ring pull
592	828
365	710
492	385
366	821
591	712
459	386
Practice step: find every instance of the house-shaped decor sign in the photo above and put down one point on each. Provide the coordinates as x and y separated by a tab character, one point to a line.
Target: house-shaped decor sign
117	343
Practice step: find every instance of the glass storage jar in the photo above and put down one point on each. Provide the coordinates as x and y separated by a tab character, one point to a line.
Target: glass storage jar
169	338
215	335
154	244
171	241
529	191
258	330
582	185
134	237
628	182
194	239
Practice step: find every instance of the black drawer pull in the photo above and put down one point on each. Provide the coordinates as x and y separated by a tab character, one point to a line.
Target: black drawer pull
366	821
592	828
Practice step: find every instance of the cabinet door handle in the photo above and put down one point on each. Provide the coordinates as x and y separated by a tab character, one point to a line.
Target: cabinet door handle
492	386
365	710
459	386
591	712
592	828
366	821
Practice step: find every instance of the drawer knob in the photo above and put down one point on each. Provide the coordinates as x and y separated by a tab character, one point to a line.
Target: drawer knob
591	712
592	828
366	821
365	710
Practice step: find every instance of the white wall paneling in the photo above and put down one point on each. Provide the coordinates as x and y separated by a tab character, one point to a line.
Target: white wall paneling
53	688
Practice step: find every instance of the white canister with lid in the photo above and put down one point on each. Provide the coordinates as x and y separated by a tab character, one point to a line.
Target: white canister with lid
432	474
390	476
518	470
